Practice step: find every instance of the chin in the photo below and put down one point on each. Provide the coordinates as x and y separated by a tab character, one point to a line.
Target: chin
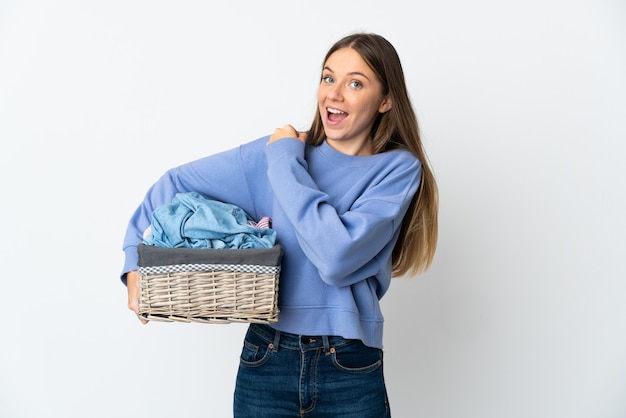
332	135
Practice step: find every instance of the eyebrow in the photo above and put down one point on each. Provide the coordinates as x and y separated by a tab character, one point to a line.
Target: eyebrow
351	73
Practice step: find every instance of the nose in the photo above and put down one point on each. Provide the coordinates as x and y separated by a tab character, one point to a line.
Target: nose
334	92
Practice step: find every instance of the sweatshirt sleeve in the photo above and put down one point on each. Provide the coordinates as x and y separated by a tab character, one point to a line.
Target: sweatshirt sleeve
220	176
343	246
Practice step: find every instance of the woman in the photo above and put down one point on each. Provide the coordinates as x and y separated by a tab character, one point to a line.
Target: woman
353	202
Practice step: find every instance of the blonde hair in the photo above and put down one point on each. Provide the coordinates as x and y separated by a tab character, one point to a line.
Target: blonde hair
396	129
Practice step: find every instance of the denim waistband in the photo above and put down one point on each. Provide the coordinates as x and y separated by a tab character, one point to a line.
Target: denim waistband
298	342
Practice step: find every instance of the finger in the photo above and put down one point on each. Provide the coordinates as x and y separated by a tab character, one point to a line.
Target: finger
143	321
286	131
293	131
135	308
134	292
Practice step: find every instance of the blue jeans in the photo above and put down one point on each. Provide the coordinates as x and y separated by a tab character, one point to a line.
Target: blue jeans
286	375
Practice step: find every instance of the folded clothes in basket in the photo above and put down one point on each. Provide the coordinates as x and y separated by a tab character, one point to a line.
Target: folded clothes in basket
193	221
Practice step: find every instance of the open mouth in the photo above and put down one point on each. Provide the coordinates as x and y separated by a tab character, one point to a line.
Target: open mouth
335	115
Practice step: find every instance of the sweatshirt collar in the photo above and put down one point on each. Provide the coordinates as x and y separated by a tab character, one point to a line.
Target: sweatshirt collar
339	158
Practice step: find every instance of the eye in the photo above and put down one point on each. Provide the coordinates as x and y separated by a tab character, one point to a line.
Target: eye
328	79
355	84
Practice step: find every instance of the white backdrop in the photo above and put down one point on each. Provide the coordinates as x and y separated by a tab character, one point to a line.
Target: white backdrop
522	109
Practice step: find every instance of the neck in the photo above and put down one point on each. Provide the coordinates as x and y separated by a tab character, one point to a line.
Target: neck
356	149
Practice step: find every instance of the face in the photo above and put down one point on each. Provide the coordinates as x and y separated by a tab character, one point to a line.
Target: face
349	98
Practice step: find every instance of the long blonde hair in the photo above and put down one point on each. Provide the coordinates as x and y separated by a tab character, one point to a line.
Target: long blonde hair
396	129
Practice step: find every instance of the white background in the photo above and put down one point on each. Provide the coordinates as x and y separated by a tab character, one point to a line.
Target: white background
523	112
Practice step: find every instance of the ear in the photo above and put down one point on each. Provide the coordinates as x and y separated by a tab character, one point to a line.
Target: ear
385	105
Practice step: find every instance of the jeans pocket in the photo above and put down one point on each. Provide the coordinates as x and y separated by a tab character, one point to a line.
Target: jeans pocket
255	351
356	357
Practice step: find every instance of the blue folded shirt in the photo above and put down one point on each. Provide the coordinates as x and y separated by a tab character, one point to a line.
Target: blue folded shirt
193	221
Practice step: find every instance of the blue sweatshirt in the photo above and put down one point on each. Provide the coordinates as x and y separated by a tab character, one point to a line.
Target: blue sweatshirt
337	218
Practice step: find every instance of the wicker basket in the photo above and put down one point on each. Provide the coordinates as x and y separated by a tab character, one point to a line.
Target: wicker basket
209	285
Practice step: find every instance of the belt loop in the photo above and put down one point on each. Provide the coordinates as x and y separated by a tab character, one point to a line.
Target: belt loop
326	344
276	343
